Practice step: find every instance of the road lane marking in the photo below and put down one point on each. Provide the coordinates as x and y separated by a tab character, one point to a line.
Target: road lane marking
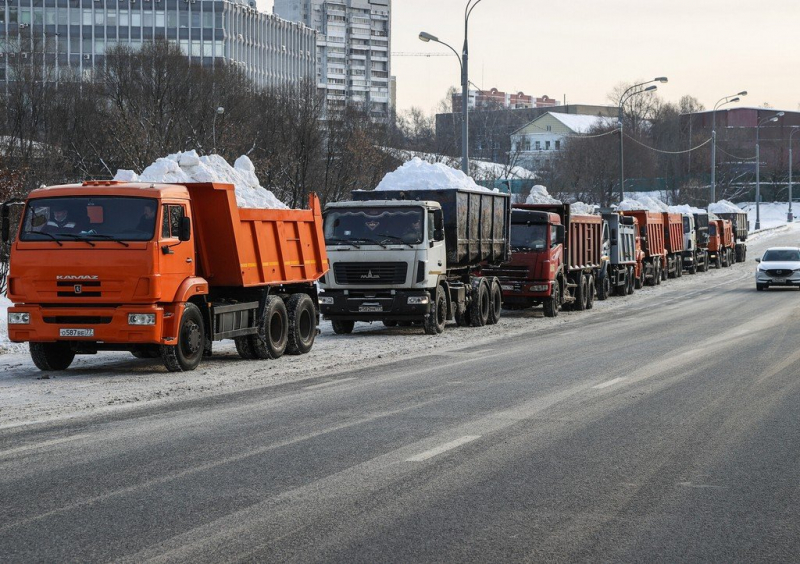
442	448
609	383
41	445
327	384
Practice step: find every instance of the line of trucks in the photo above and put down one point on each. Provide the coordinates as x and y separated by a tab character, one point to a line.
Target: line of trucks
165	270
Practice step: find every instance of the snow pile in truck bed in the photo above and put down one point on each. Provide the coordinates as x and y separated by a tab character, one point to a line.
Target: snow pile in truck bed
580	208
540	195
185	167
416	174
724	206
643	202
685	208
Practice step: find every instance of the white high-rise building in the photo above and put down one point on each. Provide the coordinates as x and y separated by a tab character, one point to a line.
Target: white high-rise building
353	49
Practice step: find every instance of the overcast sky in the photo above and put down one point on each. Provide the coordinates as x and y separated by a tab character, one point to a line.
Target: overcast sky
581	49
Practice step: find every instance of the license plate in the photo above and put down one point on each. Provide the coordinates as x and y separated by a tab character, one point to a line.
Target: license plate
779	280
507	287
76	332
368	309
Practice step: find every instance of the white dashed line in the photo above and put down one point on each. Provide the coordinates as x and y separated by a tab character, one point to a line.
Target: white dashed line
443	448
609	383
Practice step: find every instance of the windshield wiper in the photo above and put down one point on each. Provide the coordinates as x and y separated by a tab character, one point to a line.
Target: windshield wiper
76	237
396	238
110	238
60	244
334	240
373	242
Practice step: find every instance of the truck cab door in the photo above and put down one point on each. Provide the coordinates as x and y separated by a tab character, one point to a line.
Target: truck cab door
177	257
437	253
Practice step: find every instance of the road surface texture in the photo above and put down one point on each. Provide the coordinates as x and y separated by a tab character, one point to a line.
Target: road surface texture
659	429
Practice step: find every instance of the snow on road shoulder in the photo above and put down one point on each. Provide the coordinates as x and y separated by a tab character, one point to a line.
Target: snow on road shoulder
179	168
7	346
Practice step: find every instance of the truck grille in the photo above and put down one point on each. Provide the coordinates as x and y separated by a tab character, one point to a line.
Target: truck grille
507	271
78	320
370	272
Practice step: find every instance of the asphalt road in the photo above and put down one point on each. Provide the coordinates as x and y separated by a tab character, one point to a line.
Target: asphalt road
664	431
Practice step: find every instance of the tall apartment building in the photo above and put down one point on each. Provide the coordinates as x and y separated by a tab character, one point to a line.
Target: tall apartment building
76	34
353	49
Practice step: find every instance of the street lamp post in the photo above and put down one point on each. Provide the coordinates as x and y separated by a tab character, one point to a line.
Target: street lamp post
758	165
464	62
789	216
218	112
624	98
721	102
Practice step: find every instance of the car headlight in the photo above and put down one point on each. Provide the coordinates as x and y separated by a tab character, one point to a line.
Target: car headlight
539	288
19	318
325	300
141	319
417	300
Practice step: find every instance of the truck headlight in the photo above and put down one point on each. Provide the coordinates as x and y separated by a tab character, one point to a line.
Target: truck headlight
19	318
141	319
325	300
539	288
417	300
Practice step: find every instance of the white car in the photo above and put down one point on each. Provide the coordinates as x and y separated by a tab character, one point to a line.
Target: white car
780	266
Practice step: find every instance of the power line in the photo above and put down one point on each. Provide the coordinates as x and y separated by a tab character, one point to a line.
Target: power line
704	143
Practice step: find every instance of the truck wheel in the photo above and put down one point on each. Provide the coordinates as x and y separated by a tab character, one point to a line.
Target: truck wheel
244	347
589	291
664	271
630	281
187	354
51	356
302	323
437	316
389	323
479	307
460	315
496	302
679	267
603	288
342	327
146	352
639	282
273	330
580	294
553	303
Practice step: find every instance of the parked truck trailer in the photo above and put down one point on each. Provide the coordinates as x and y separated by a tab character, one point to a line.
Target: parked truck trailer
415	256
651	231
624	261
695	237
721	244
162	270
740	226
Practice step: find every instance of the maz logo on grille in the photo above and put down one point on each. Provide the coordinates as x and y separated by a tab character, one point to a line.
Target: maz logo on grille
370	276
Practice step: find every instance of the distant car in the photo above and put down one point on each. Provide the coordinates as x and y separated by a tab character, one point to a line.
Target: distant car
780	266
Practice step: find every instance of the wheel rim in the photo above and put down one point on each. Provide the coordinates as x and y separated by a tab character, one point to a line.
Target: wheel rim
192	339
276	328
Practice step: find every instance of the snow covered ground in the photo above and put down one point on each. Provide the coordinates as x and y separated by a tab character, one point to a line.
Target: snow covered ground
113	381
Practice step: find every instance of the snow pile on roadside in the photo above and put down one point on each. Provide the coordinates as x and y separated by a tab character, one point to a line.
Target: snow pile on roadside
416	174
540	195
772	214
189	167
643	202
724	206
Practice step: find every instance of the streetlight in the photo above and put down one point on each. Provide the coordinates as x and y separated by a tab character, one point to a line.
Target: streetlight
464	61
219	111
721	102
624	98
758	164
789	216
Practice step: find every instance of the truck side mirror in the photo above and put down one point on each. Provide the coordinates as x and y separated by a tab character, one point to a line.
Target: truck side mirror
186	229
613	235
559	234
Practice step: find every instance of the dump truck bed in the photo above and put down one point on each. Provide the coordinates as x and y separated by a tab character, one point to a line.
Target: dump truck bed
255	247
651	227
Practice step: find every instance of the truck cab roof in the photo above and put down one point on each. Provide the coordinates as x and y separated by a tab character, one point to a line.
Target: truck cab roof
115	188
519	216
385	203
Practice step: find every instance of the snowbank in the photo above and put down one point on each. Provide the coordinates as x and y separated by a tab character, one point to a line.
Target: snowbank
724	206
189	167
416	174
540	195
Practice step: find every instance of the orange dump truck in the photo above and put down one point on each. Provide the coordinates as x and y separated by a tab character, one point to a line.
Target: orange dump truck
162	270
721	243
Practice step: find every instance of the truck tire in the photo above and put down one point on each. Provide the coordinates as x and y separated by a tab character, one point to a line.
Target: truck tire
479	306
693	268
495	301
187	354
580	294
460	315
244	347
640	281
146	352
50	357
589	291
389	323
273	330
302	323
342	327
630	280
437	316
664	271
679	267
603	287
706	264
553	303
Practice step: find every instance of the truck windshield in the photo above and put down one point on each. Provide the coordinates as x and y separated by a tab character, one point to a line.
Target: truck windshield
687	228
712	229
378	226
89	218
529	236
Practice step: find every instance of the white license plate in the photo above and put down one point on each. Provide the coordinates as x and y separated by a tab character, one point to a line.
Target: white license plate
508	287
779	280
368	309
76	332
